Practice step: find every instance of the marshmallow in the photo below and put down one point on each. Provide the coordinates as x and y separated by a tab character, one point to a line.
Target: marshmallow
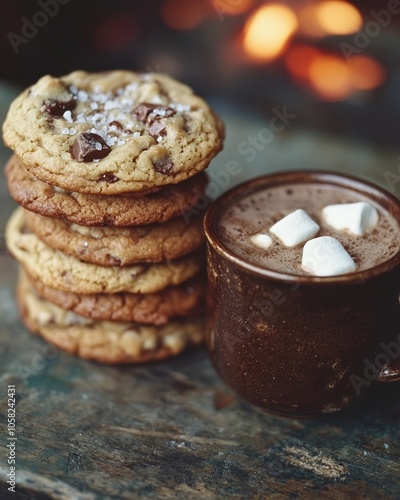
326	256
357	218
295	228
261	240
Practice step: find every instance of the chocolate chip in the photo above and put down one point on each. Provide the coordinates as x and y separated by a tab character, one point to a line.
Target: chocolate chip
143	110
163	166
116	124
108	177
58	108
88	147
156	128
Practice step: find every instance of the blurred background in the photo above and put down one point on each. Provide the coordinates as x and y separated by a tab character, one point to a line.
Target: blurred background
329	69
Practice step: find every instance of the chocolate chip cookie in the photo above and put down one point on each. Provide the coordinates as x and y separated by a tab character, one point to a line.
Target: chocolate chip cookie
117	210
111	246
151	308
113	132
105	341
58	270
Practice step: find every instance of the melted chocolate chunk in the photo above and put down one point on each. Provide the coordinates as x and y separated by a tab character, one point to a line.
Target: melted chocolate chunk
164	166
108	177
156	129
89	147
58	108
145	112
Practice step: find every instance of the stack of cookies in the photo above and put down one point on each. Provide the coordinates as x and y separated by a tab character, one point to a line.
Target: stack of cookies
108	170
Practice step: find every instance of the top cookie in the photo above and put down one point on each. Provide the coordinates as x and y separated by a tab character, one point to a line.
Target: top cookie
112	132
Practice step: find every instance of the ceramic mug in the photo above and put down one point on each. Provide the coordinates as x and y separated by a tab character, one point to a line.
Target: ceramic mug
312	345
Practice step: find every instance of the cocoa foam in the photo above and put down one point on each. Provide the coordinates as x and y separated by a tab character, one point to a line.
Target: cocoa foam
258	211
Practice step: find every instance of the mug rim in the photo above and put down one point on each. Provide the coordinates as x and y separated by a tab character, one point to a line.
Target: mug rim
364	187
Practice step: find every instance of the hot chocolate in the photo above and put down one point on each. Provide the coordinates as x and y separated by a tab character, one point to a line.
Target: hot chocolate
291	341
258	211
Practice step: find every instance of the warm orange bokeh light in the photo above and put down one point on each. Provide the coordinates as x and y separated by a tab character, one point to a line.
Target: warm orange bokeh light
299	58
330	18
182	14
367	73
338	18
232	7
268	31
330	76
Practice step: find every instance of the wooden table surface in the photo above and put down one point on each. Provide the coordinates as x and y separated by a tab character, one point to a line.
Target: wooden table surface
172	430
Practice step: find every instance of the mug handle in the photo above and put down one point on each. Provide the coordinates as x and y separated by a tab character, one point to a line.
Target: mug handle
390	373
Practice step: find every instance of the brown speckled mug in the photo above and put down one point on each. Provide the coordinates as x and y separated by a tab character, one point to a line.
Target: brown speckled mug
295	345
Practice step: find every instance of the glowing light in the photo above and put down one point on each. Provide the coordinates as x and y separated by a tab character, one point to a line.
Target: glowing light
330	18
181	14
338	18
299	58
232	7
330	77
268	31
367	73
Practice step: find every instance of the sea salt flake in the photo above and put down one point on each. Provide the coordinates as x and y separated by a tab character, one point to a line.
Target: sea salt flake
111	105
131	87
112	141
82	96
156	100
180	108
159	112
121	142
136	134
98	146
72	131
159	138
94	105
65	131
68	116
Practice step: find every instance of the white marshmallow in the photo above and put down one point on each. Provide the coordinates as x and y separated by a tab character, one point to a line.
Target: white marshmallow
261	240
357	218
326	256
295	228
